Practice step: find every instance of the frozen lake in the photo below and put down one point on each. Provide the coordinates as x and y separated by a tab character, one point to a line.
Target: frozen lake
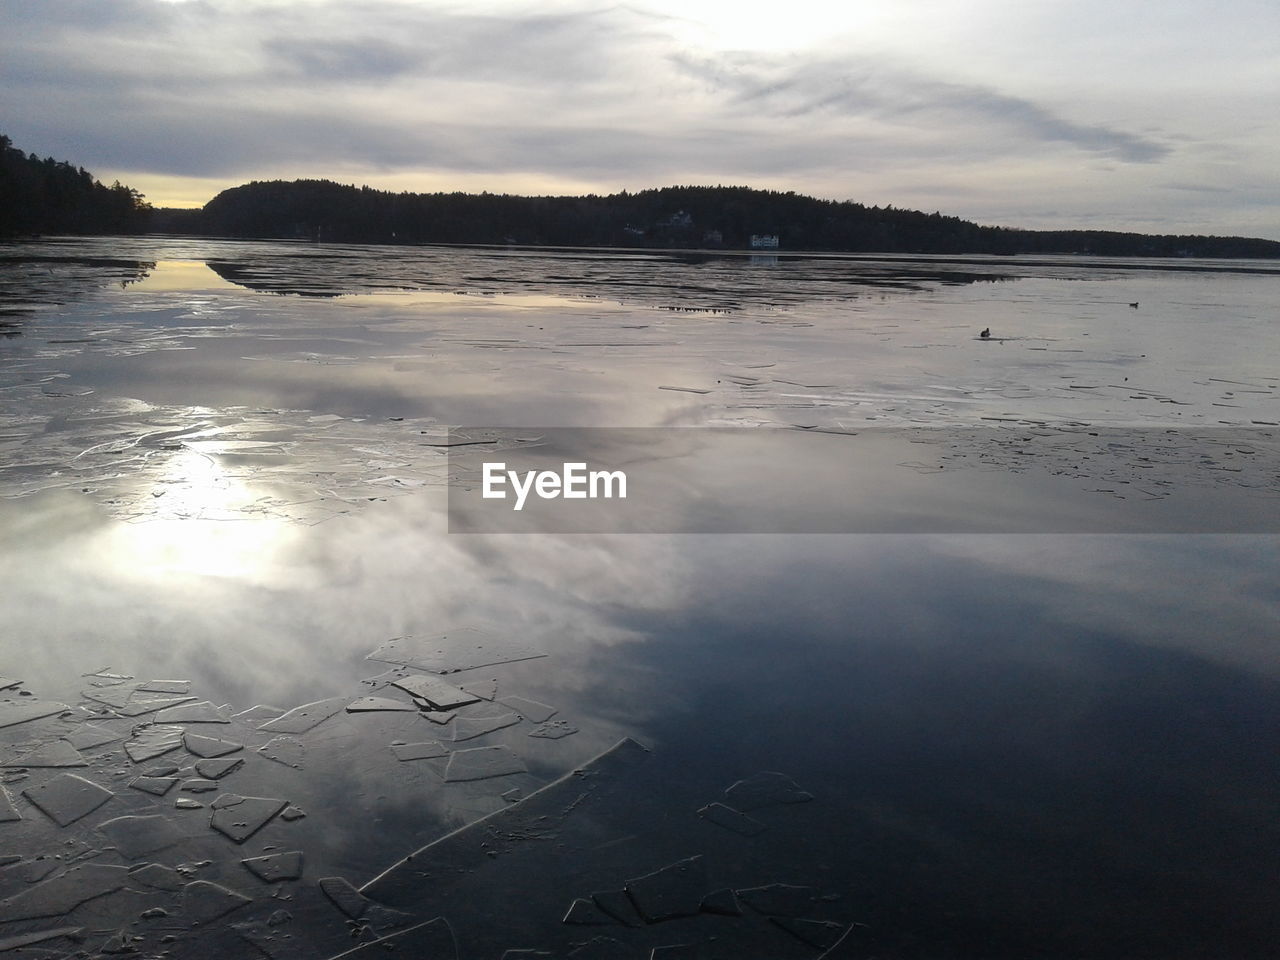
968	643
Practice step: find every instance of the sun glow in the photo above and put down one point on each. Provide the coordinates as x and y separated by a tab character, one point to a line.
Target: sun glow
207	522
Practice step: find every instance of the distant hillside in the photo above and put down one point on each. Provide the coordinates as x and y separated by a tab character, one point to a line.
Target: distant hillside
672	217
51	196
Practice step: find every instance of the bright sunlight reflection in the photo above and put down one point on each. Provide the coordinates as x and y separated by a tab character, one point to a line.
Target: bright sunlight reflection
207	522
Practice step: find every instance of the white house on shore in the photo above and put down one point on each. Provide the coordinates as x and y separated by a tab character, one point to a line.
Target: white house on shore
764	241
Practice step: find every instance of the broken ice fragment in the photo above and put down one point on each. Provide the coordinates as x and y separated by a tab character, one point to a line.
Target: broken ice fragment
13	712
202	712
126	700
217	768
514	795
292	813
585	913
66	798
468	728
158	876
765	789
199	785
481	763
166	686
369	704
8	812
62	894
161	770
276	866
433	939
303	718
89	736
186	803
437	716
674	891
531	710
440	695
203	901
780	899
136	837
731	819
241	817
603	948
149	742
209	746
156	786
6	683
259	714
344	896
59	753
419	751
40	936
722	902
618	905
284	750
484	689
554	730
822	934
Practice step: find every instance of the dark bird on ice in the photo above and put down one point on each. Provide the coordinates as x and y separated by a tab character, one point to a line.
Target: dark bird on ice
1134	304
986	334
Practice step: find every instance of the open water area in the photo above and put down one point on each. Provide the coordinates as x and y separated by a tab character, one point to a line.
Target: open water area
908	642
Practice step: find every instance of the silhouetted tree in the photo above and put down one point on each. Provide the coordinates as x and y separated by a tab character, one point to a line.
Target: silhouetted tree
50	196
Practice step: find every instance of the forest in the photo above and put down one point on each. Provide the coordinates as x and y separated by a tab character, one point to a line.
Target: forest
47	196
54	197
684	217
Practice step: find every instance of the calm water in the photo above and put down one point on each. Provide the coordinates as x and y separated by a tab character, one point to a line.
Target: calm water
223	463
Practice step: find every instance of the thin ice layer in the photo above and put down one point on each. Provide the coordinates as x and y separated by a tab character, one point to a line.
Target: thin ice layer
676	890
309	715
208	747
15	711
241	817
468	728
136	837
481	763
149	742
276	866
62	894
59	753
66	798
462	649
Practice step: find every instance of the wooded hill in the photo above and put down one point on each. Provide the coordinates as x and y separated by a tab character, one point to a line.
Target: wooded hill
47	196
672	217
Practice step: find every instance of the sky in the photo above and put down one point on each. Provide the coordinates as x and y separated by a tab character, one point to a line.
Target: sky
1052	114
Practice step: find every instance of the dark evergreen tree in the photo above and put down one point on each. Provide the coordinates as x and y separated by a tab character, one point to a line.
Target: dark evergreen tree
51	196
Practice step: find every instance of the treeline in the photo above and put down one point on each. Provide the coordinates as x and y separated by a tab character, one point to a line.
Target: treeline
51	196
672	217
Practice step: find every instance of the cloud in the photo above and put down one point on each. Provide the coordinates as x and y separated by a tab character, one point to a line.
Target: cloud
211	89
794	87
571	97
